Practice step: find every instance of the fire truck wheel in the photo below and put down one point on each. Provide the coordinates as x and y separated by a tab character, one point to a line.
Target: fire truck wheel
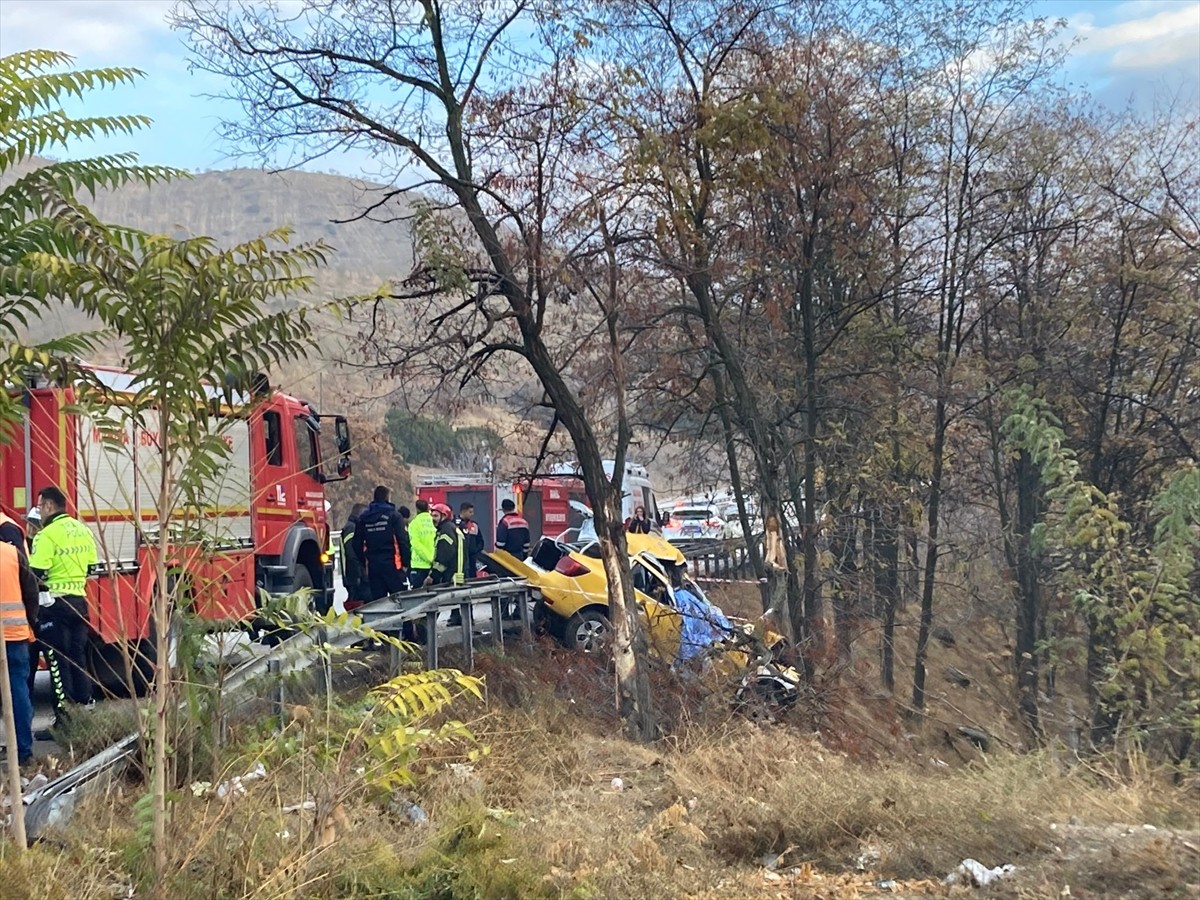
109	670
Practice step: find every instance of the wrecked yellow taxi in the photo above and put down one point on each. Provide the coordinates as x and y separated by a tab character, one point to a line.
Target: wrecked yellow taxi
682	626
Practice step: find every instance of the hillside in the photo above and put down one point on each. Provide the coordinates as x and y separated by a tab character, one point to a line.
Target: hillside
238	204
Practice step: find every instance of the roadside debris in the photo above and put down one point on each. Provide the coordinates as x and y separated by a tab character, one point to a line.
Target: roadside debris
236	786
972	872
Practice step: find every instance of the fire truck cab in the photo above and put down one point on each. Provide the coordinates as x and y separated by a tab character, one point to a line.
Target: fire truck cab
260	526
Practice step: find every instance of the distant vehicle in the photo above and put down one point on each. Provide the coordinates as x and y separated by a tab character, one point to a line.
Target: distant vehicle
694	523
637	489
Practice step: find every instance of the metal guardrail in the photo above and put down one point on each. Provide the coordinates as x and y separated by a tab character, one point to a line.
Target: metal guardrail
54	803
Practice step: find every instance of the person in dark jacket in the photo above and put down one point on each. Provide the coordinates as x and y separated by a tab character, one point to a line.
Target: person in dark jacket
354	573
472	546
381	544
472	537
512	536
450	552
512	531
639	524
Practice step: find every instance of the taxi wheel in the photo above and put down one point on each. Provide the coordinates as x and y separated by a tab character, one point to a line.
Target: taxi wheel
588	631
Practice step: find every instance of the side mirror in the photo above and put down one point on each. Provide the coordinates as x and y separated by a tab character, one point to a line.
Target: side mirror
341	433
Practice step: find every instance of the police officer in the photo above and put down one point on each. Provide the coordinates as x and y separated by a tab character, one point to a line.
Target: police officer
18	610
381	544
422	532
63	552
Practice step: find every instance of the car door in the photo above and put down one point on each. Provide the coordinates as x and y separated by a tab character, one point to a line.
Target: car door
663	622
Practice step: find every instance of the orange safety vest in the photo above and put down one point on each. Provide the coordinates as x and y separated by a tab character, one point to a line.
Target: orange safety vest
12	611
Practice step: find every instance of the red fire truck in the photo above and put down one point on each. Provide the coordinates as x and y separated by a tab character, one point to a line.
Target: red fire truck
544	501
264	523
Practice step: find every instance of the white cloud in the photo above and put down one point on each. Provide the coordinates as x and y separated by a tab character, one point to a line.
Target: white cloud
93	31
1165	36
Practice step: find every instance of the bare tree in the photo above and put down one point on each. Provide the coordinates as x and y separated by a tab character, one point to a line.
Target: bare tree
459	100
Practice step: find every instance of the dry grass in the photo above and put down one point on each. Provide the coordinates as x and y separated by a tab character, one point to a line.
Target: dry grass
538	816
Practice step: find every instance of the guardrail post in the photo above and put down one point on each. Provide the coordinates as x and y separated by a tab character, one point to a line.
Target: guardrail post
468	636
431	647
522	600
275	672
497	621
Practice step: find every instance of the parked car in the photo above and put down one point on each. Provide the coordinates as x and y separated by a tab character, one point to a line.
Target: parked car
694	523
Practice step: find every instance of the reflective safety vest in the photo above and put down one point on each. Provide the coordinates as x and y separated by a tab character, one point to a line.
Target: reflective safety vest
12	610
65	550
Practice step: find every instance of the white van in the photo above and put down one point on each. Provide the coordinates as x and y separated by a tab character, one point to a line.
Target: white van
637	489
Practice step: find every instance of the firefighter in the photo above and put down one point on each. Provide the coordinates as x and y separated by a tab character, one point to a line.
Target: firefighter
512	531
381	544
422	534
64	550
472	537
512	536
18	610
354	574
450	553
473	546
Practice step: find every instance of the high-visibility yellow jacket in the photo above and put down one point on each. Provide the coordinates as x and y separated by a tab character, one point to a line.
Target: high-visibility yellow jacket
64	550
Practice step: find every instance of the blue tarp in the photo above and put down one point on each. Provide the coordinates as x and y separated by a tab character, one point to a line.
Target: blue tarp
703	625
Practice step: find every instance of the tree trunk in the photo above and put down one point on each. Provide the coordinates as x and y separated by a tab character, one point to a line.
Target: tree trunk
753	550
634	701
931	552
843	547
1029	603
887	588
162	669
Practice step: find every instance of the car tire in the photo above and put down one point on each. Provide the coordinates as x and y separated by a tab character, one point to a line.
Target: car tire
588	631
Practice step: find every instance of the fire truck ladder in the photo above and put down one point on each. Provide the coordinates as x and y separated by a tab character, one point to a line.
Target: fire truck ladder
54	803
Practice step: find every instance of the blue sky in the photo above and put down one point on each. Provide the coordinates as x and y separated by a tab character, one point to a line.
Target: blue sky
1129	50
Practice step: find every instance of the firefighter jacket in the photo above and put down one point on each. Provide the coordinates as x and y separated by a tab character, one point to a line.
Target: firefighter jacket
473	542
18	596
63	552
512	534
380	538
450	554
422	533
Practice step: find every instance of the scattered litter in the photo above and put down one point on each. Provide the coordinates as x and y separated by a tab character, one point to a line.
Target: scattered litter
308	805
889	886
1149	828
200	788
618	784
973	872
462	771
868	859
770	861
283	835
416	815
236	786
768	875
692	804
